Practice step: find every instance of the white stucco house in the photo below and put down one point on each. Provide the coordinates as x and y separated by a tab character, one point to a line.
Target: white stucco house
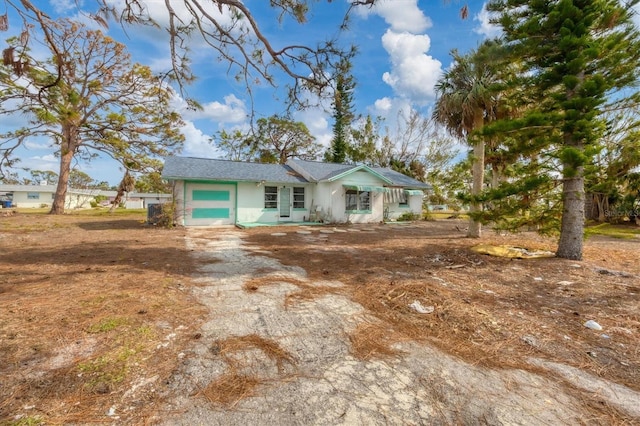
136	200
37	196
221	192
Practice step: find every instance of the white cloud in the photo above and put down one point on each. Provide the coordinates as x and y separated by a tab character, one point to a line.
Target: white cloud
636	16
383	106
485	27
402	15
389	108
317	121
36	146
233	110
414	73
158	12
197	144
40	162
63	6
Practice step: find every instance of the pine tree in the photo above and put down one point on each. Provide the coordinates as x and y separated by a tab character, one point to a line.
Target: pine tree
577	55
342	113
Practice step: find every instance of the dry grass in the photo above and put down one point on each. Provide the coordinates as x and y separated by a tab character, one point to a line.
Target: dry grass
305	290
256	283
92	307
89	308
245	373
230	388
490	311
373	341
230	347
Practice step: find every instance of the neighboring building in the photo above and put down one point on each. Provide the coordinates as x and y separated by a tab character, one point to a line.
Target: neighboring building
136	200
221	192
37	196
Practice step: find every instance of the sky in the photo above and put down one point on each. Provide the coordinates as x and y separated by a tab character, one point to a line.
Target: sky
403	45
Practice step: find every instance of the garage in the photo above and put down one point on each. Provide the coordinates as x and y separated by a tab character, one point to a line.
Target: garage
209	204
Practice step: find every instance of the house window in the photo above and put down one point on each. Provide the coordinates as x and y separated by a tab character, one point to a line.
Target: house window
357	200
404	200
270	197
33	195
298	198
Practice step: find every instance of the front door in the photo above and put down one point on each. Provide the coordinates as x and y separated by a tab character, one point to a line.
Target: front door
285	204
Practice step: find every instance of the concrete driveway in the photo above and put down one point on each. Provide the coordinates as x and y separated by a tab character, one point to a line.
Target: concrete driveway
319	382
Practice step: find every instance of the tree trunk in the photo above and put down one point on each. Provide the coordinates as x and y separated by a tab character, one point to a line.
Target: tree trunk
495	176
475	227
126	185
600	200
572	226
67	150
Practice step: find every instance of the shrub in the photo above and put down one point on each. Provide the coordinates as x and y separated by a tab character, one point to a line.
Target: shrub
166	217
408	217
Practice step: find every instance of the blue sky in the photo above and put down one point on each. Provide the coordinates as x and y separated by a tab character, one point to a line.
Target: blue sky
403	47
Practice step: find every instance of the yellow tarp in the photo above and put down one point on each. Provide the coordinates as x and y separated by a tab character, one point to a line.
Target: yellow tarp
511	252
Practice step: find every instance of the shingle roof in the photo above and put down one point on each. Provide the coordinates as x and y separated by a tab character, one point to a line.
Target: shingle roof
325	171
43	189
401	180
190	168
321	171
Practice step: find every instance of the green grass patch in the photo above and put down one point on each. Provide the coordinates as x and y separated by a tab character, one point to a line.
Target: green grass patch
105	372
33	211
437	215
146	332
107	324
25	421
104	212
614	231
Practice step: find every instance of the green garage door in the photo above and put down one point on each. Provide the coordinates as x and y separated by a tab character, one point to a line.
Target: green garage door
210	204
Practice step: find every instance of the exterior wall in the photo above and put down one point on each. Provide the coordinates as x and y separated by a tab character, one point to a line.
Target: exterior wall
179	197
21	199
24	199
205	211
324	201
251	204
155	199
135	200
395	210
134	203
331	200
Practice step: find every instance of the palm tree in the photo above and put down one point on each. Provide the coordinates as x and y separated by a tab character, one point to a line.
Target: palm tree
466	101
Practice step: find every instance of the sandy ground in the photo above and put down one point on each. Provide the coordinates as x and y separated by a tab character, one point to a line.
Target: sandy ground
315	378
105	320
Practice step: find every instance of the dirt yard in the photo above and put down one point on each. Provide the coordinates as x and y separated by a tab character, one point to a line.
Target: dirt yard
107	320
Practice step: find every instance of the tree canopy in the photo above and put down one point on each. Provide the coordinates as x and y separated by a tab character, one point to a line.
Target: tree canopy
576	56
234	33
273	140
343	114
466	101
87	99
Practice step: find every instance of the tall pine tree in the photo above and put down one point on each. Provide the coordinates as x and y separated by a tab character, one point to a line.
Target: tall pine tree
577	56
342	113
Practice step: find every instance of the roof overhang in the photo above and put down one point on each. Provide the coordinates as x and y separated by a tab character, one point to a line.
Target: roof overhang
367	188
361	167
